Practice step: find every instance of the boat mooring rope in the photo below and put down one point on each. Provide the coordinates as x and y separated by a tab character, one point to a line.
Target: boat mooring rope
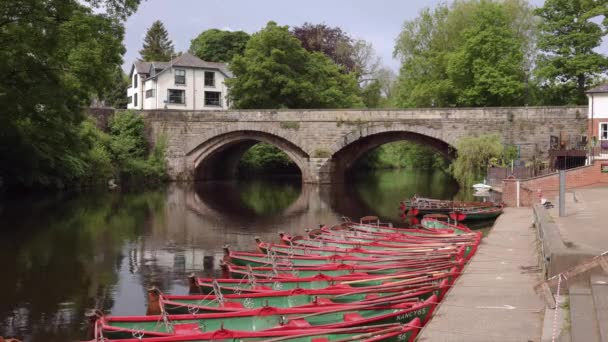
555	314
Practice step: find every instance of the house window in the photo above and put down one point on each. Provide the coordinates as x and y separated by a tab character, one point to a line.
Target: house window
180	76
135	100
209	79
212	98
135	81
149	93
604	131
176	96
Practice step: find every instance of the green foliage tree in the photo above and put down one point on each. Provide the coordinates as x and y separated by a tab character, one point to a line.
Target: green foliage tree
471	53
157	45
488	66
372	94
55	56
218	46
116	95
403	154
128	149
473	157
266	157
276	72
569	35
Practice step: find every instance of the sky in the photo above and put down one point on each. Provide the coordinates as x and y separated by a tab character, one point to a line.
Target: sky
378	22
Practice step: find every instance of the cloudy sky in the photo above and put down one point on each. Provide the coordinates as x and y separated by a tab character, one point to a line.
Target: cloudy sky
378	22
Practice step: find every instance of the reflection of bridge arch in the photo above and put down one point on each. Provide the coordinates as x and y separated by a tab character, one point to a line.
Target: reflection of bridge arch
215	155
204	202
354	145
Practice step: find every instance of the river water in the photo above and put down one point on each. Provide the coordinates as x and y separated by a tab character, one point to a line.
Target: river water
61	255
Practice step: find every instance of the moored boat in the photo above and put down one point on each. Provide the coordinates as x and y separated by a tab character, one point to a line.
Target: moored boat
371	333
422	206
298	297
266	318
470	214
210	285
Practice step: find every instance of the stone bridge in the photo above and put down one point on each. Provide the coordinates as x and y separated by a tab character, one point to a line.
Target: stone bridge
325	144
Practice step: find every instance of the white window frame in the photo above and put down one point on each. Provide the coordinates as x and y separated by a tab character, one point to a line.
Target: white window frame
602	134
150	93
175	77
176	103
205	78
219	105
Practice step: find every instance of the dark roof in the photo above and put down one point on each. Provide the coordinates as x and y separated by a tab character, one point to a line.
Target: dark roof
186	60
142	67
599	89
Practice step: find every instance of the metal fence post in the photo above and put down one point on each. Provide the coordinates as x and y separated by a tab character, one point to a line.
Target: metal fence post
562	193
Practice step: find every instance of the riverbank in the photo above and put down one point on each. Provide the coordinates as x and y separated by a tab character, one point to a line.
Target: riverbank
494	299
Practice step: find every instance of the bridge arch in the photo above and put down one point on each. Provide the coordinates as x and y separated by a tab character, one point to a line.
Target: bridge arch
217	155
354	145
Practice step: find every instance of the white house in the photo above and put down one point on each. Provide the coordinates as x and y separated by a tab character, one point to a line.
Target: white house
186	83
598	112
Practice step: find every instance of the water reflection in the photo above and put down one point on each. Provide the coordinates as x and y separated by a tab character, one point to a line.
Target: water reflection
63	255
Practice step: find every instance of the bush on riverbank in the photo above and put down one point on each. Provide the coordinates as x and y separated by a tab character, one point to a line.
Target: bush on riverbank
401	155
121	153
266	158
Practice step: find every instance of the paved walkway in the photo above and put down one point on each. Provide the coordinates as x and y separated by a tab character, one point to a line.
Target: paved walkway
585	226
494	299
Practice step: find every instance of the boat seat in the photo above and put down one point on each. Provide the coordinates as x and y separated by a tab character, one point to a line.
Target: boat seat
233	305
186	329
324	301
298	323
320	339
352	317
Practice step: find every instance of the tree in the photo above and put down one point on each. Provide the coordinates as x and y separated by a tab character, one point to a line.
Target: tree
116	96
371	94
55	56
473	156
218	46
450	59
276	72
331	41
367	62
569	35
157	45
488	66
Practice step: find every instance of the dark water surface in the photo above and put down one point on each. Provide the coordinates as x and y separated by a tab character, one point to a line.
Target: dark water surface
62	255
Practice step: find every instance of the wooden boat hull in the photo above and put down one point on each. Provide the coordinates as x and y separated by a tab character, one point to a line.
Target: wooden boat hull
195	304
476	215
267	318
206	285
388	332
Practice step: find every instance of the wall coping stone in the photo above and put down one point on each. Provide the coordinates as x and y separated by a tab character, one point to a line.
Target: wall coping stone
556	256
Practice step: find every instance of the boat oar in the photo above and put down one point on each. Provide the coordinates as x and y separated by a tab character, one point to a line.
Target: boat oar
351	308
424	275
369	334
335	331
375	289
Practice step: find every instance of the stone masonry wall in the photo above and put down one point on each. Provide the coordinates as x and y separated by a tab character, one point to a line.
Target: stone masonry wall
319	134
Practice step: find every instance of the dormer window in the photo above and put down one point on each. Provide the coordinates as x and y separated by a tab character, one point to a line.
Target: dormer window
180	76
135	81
209	79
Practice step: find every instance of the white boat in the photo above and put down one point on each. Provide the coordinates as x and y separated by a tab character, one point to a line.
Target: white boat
482	187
